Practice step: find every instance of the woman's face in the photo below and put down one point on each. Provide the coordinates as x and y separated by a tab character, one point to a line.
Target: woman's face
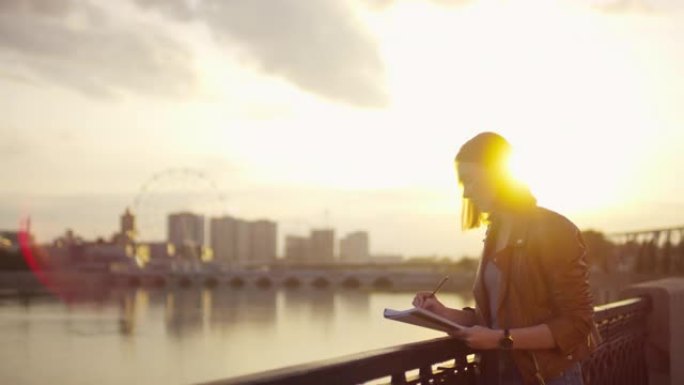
477	185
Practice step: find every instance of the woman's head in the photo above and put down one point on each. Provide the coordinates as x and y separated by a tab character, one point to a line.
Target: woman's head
483	172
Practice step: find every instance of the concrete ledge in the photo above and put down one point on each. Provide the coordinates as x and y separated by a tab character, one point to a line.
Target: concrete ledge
665	334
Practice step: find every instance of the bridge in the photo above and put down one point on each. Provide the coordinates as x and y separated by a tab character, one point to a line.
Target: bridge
656	250
376	279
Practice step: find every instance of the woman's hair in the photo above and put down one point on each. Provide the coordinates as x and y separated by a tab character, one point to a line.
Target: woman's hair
491	151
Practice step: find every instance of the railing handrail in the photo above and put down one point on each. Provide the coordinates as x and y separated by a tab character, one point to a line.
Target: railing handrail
634	303
390	361
359	367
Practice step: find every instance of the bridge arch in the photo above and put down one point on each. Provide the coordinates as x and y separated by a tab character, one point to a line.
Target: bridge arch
383	283
134	281
351	283
292	283
264	282
320	283
236	282
185	282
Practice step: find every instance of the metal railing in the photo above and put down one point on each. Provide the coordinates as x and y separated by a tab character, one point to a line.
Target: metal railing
620	358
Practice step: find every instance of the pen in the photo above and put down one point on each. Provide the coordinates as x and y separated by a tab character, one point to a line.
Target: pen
439	286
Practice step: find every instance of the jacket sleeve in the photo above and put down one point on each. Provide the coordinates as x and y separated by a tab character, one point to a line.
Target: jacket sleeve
564	261
477	315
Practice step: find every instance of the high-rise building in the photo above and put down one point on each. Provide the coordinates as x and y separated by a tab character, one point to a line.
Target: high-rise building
296	248
186	230
355	246
223	238
263	240
234	239
242	240
322	245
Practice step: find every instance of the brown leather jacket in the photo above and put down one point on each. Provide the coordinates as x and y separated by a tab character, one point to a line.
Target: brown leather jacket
544	281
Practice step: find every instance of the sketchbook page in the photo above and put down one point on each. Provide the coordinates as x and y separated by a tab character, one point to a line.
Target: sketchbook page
422	317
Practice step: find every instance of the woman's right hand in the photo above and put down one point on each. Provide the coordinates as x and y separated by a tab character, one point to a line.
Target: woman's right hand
427	301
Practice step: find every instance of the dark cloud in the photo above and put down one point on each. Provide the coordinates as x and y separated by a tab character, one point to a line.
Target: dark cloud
43	7
318	45
74	44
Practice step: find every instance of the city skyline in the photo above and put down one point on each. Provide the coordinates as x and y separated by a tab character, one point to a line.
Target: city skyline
366	131
230	239
297	225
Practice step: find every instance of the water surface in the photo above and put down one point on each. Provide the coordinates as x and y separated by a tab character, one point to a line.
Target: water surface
181	336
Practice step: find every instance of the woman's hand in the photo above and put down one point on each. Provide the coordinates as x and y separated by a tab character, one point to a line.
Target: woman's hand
427	301
479	337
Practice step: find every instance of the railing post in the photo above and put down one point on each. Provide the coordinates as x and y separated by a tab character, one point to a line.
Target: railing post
665	329
398	378
425	372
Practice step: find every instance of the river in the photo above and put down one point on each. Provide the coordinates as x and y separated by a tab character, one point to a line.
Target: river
182	336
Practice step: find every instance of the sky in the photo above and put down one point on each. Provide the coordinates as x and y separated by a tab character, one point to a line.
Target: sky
343	114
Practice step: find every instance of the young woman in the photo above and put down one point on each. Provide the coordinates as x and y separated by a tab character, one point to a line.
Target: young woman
533	315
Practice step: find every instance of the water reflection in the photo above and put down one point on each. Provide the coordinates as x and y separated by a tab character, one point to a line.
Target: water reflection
234	307
195	334
354	302
316	304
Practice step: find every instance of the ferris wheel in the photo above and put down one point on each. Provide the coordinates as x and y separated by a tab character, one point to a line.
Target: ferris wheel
172	191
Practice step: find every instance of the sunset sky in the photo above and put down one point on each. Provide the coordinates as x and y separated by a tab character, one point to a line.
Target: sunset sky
340	113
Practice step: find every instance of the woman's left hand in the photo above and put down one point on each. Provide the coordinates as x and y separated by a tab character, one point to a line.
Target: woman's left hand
479	337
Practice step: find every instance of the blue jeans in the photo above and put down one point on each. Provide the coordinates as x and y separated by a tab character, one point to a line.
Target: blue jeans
571	376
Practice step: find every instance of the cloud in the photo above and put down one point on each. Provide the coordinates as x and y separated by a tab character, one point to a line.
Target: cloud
629	7
318	45
77	45
380	5
42	7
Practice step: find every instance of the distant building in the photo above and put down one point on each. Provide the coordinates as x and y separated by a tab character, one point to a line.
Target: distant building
186	233
296	248
354	246
159	256
223	238
10	256
128	227
100	256
160	250
106	251
322	245
9	240
69	238
242	240
237	240
263	240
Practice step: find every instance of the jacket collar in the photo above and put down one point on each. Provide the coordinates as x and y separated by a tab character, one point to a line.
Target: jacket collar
517	240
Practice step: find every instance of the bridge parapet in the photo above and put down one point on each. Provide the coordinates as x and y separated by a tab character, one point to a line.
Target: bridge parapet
364	279
665	329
